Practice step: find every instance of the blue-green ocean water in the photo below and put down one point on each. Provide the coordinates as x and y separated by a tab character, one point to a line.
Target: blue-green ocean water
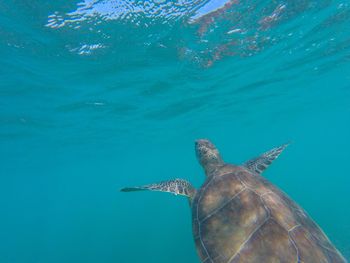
100	94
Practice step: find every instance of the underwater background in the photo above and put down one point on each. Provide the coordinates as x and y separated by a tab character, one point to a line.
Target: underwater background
100	94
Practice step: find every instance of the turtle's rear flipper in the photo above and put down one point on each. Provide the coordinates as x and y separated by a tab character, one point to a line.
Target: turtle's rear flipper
176	186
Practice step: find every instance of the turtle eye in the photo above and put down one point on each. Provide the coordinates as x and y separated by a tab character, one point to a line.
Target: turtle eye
203	149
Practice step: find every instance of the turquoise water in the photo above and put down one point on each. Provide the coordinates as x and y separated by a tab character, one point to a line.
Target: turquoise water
97	95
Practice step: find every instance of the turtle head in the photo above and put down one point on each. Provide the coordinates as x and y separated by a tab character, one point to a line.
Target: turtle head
208	155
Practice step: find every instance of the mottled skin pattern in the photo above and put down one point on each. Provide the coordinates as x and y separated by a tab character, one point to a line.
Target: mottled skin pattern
176	186
238	216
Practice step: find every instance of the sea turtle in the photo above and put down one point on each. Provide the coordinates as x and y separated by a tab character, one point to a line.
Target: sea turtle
238	216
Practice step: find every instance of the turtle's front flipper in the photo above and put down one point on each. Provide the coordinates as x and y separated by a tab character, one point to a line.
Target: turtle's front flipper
259	164
176	186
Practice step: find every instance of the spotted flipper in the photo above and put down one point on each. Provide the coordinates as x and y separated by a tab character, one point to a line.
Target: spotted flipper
176	187
259	164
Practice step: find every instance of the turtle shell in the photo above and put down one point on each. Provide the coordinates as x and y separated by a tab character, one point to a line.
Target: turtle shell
238	216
